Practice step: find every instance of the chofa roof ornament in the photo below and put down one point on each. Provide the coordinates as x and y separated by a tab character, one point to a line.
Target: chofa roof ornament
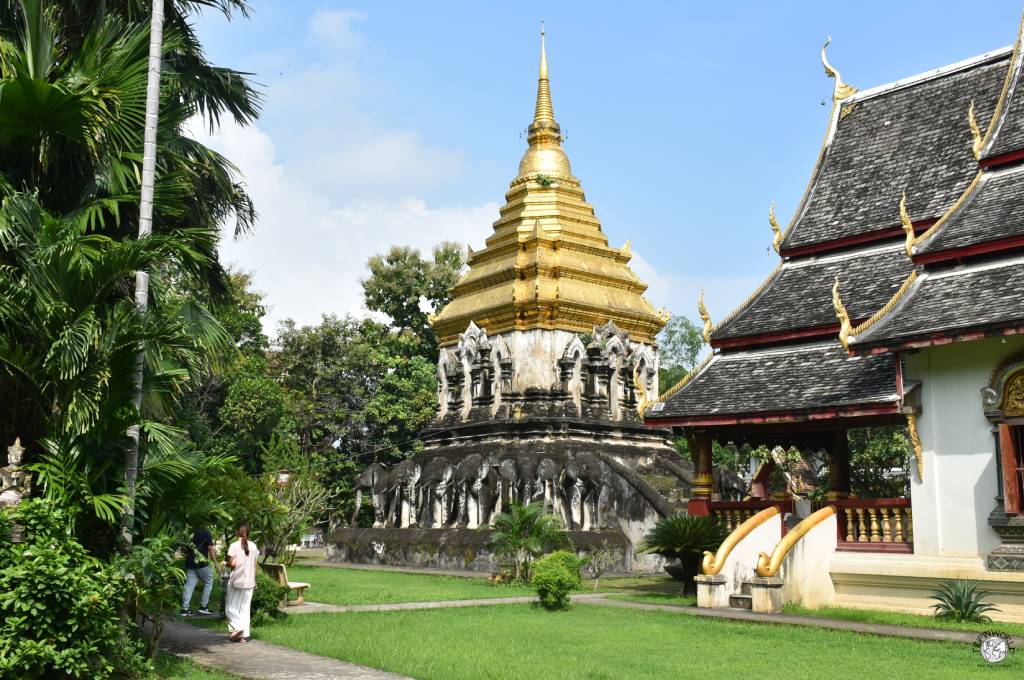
777	242
976	138
703	311
845	327
908	226
842	90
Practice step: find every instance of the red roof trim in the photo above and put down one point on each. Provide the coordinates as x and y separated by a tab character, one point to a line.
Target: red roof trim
777	336
935	339
968	251
882	235
771	418
1002	159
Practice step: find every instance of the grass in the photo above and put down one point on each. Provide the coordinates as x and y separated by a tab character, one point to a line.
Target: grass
594	642
176	668
335	585
1015	630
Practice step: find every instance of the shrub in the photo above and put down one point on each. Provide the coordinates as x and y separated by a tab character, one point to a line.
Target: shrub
153	582
523	532
58	604
685	537
960	600
601	558
266	599
555	576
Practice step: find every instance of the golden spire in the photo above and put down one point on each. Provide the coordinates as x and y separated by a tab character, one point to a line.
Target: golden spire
975	132
777	243
842	90
703	311
908	226
545	157
845	327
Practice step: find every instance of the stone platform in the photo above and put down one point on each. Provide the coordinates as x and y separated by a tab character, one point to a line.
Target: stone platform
455	548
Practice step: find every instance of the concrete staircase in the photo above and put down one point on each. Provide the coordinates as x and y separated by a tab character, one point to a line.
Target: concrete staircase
742	599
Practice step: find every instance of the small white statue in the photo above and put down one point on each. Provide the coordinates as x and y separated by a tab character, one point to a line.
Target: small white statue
14	481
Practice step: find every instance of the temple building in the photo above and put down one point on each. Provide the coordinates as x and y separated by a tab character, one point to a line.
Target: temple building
547	359
898	299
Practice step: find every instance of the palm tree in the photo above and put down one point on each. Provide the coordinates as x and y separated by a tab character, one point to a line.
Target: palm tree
524	533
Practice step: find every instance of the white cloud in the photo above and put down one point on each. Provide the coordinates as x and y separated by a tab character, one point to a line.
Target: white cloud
678	293
334	28
308	254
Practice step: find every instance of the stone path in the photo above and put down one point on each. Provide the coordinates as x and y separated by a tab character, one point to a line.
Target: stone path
930	634
259	660
461	573
320	607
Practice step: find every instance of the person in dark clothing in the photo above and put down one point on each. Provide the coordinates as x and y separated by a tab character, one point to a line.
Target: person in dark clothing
200	557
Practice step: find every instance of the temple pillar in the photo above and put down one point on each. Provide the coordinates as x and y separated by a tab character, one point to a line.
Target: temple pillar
839	466
700	501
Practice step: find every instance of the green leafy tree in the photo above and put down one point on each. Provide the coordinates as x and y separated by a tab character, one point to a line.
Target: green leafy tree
679	347
878	462
524	533
406	287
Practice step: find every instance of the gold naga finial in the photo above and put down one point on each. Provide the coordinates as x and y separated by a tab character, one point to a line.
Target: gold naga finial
842	90
777	243
975	132
845	327
908	226
628	248
703	311
643	400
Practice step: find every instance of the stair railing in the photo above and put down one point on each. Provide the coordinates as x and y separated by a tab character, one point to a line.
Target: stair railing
770	565
713	564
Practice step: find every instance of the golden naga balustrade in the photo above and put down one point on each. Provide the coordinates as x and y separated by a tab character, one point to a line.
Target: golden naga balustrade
770	565
713	564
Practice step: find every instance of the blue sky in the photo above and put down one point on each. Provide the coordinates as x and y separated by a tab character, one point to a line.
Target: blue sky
401	122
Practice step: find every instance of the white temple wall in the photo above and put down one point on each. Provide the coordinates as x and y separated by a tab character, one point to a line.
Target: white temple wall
952	503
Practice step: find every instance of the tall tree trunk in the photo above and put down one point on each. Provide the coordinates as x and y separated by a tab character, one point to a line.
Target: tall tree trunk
131	456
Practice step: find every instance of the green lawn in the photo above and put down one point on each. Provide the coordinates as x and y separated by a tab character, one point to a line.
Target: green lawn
171	667
522	641
913	620
335	585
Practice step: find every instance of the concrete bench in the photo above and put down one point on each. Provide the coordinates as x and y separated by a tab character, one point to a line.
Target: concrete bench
279	573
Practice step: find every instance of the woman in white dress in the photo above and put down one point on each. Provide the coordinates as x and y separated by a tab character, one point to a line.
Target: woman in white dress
242	556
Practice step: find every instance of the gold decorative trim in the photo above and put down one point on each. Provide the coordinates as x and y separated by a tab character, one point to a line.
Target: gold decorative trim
643	401
687	378
775	228
915	442
750	298
975	132
908	226
769	566
842	90
844	318
956	206
888	307
703	311
713	563
1001	102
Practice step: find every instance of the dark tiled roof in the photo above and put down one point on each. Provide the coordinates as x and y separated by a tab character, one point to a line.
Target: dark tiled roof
801	378
1009	132
977	298
800	294
913	138
995	211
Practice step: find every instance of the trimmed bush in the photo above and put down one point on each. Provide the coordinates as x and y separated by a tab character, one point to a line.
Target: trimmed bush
555	576
266	599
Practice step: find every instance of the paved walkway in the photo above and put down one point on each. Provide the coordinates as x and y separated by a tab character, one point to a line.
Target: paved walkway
930	634
259	660
461	573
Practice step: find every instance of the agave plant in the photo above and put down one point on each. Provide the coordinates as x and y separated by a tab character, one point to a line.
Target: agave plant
960	600
685	537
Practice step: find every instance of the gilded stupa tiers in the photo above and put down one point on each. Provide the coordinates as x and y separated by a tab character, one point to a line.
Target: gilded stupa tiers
548	265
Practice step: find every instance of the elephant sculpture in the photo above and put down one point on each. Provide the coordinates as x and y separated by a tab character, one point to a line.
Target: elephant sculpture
582	482
547	484
400	489
526	478
469	477
371	479
433	492
508	483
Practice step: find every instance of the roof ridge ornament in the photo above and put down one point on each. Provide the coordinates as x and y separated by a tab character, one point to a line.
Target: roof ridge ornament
842	90
777	242
976	139
908	226
845	327
703	311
